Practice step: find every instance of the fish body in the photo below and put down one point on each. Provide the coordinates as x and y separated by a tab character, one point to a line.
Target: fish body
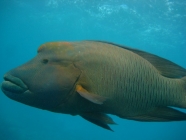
94	78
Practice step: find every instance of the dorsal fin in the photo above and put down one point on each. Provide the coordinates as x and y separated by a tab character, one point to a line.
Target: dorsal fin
164	66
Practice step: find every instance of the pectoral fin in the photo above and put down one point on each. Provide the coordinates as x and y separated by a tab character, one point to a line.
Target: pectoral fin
90	96
99	119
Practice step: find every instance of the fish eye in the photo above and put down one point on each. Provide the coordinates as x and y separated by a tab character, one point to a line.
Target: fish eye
45	61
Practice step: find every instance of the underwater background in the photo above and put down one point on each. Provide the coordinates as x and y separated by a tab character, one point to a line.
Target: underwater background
156	26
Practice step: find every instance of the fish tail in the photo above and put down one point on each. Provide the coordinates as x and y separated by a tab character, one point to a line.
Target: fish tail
183	103
184	79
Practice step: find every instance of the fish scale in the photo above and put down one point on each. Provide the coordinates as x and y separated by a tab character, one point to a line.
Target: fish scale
96	78
119	59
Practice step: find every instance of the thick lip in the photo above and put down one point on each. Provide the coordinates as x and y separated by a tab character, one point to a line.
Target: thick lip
12	84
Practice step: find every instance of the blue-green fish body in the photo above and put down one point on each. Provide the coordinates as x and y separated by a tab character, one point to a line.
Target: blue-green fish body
93	78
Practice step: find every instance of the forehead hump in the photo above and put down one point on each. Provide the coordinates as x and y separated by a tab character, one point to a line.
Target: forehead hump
57	47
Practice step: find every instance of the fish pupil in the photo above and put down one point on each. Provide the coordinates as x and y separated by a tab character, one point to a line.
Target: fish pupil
45	61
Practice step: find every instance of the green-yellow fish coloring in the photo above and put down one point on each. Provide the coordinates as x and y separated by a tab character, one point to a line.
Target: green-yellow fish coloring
94	78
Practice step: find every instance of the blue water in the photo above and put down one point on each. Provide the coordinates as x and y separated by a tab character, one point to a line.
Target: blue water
156	26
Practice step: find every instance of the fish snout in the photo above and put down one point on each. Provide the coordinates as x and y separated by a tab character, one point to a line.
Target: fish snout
12	84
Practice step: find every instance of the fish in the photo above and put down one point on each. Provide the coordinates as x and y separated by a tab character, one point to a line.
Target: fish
95	79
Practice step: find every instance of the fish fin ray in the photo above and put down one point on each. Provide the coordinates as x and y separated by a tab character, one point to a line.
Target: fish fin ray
99	119
99	116
164	66
160	114
90	96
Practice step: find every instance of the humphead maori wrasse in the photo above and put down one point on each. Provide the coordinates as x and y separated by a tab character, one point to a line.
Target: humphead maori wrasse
94	78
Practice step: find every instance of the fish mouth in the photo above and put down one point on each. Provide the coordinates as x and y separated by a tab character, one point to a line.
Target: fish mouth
12	84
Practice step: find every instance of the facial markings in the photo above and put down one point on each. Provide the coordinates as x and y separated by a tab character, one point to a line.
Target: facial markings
65	46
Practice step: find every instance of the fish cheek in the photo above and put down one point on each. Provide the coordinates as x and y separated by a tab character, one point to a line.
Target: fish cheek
67	76
55	85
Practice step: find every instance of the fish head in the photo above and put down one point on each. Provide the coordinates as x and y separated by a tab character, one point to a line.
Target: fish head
45	81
